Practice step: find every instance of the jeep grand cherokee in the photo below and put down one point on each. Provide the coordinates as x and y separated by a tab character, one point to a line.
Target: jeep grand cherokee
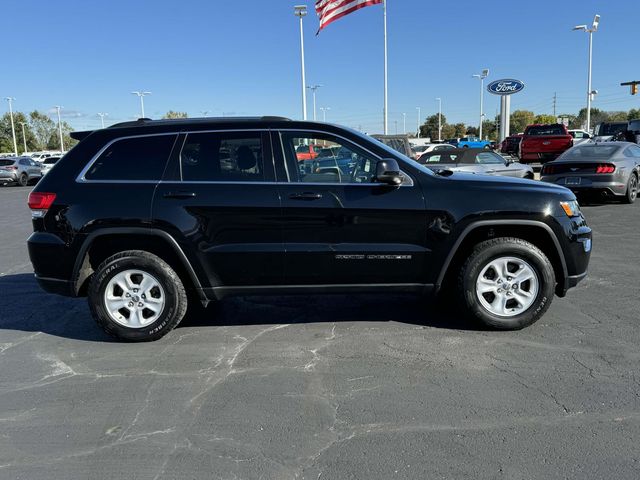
152	218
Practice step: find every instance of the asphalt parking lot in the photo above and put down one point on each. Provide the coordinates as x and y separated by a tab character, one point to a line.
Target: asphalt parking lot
338	387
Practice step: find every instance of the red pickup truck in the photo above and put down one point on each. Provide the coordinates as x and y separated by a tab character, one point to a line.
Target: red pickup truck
542	143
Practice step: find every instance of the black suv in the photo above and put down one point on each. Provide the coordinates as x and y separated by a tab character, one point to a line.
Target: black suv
148	217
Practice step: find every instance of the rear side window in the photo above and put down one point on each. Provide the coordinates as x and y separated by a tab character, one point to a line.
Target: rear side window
439	158
138	158
222	157
5	163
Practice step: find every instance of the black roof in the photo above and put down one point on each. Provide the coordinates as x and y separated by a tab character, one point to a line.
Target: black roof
196	121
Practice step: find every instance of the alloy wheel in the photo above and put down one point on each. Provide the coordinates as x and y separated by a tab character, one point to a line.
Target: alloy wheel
134	298
507	286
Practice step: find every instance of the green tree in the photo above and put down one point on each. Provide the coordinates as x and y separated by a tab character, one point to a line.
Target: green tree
172	114
633	114
520	119
429	129
460	130
448	131
6	137
43	128
617	116
597	116
545	119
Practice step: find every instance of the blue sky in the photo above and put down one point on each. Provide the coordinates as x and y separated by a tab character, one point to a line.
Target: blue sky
242	58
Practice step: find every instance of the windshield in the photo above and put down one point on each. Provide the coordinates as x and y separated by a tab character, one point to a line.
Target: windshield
590	151
545	130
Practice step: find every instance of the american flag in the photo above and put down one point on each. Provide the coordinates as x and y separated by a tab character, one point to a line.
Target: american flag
331	10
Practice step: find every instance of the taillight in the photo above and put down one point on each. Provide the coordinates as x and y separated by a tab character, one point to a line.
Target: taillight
547	170
39	203
605	168
11	167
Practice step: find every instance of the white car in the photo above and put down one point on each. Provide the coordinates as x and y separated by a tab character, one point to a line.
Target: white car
579	136
48	164
430	147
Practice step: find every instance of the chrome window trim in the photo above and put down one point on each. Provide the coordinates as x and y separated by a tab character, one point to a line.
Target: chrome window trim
81	176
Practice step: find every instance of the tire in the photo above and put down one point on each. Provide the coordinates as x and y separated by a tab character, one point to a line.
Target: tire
529	176
487	147
465	146
23	180
632	189
519	310
145	317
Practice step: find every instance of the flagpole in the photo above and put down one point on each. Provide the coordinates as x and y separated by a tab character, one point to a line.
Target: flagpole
386	106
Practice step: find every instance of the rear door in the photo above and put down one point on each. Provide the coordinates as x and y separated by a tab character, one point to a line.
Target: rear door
341	228
218	199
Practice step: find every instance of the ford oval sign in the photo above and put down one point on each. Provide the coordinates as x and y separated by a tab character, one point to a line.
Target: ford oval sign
507	86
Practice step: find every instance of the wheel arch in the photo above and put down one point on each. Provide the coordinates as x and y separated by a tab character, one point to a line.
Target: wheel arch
538	233
102	243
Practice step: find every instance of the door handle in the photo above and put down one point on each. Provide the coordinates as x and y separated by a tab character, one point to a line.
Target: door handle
305	196
179	195
490	171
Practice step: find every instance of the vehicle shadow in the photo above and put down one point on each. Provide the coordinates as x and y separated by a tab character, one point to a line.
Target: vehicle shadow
25	307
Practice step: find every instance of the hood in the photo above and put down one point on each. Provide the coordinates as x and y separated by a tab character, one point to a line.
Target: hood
507	184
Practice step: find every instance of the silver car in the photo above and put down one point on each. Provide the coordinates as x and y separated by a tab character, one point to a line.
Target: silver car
608	168
20	171
475	160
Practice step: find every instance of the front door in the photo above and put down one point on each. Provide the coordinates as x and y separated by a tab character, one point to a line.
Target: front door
219	200
339	226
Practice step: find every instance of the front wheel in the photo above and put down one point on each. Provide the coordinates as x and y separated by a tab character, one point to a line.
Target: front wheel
507	283
136	296
632	189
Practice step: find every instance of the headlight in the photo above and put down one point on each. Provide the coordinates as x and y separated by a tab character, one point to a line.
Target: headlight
572	208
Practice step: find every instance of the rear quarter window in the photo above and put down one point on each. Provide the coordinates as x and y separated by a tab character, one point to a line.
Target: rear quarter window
545	130
136	158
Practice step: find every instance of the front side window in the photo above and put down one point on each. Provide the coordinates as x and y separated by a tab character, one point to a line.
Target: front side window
136	158
222	157
336	161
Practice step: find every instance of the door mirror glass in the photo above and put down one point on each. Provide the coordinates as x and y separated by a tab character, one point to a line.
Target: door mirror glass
388	172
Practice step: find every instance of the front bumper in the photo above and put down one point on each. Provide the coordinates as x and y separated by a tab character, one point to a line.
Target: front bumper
576	242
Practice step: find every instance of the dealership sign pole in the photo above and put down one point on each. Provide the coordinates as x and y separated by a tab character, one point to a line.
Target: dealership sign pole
505	88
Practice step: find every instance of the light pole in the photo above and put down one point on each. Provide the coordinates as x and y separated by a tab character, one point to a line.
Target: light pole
141	94
13	130
482	76
418	108
324	113
300	11
102	115
204	112
24	137
439	119
313	88
58	108
404	123
396	124
590	31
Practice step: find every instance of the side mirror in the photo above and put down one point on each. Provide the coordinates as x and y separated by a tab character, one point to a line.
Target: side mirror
388	172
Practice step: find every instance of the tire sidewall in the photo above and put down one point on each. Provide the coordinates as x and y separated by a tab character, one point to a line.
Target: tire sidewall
535	259
628	195
23	180
167	319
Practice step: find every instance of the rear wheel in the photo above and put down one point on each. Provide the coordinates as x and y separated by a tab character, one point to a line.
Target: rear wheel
136	296
507	283
632	189
23	180
487	147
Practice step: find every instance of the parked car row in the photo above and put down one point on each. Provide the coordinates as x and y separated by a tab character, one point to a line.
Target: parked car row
23	171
